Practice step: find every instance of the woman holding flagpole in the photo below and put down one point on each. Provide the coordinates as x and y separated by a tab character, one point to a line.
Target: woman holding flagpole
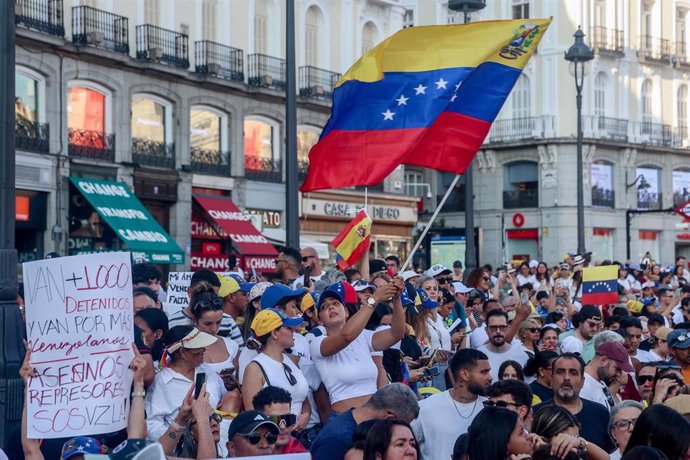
343	356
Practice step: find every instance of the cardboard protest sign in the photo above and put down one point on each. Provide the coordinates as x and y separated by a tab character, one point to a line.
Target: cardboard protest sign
178	283
79	322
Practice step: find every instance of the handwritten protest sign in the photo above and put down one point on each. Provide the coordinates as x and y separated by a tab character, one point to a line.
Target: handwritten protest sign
178	283
79	326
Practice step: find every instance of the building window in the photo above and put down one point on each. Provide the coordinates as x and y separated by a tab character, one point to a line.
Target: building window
521	98
600	84
206	129
151	11
602	184
681	187
307	137
413	181
646	20
646	100
86	109
149	119
683	111
520	9
311	37
680	29
208	19
521	185
648	242
261	27
369	37
261	141
408	19
602	243
648	190
26	101
599	13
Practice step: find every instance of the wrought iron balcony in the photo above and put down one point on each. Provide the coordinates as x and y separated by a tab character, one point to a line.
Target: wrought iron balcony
513	199
317	83
302	168
680	137
219	60
514	129
455	202
608	41
681	197
266	71
613	129
681	54
262	169
603	198
43	15
100	29
162	45
655	134
646	200
212	162
31	136
91	145
147	152
655	49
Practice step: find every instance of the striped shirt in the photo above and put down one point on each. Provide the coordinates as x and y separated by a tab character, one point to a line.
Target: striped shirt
228	326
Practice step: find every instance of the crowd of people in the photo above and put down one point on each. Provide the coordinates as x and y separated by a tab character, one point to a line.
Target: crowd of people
379	363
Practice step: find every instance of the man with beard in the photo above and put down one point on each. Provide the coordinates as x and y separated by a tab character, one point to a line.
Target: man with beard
497	349
566	382
288	263
445	416
609	362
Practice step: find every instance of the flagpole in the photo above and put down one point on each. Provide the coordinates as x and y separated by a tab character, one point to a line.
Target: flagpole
451	187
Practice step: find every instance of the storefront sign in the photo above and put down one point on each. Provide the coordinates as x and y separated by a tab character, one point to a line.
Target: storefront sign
216	263
21	208
270	219
328	208
260	264
683	236
212	249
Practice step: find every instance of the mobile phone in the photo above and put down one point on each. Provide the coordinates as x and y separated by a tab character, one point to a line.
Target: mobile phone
199	382
307	276
524	298
432	371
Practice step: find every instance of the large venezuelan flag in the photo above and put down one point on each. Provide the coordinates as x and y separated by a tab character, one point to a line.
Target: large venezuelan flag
353	241
600	285
425	96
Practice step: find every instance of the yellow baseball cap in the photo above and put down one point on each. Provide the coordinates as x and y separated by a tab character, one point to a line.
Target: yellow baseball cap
270	319
228	286
307	302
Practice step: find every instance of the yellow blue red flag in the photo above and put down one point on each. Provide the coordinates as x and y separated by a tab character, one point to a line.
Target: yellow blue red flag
426	96
353	241
600	285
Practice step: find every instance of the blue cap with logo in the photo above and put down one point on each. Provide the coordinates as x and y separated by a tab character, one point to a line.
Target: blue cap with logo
80	445
335	290
426	300
679	338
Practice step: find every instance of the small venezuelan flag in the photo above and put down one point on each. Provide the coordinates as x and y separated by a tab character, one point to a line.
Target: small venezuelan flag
426	96
600	285
353	241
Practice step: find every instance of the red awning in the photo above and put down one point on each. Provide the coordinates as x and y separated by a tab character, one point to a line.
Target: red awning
246	239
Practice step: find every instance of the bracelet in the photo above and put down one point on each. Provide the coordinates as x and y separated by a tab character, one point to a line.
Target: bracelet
176	426
141	393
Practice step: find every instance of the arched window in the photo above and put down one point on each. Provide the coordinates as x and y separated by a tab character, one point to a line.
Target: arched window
152	12
601	173
261	148
681	186
521	102
208	141
261	27
88	121
648	187
152	134
521	185
600	87
369	36
682	108
307	137
646	101
29	95
313	20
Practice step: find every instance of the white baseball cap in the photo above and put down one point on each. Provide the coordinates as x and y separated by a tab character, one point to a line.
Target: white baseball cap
461	288
408	274
437	270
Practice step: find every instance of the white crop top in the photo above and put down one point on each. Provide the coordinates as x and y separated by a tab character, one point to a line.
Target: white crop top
350	373
232	348
276	375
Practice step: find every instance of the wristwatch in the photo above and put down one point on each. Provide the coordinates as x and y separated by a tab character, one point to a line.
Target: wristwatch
371	302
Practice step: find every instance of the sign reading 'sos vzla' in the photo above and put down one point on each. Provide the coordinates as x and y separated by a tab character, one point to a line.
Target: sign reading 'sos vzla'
132	222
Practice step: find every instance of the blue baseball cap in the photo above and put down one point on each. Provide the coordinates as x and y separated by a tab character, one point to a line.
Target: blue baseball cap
278	294
80	445
426	301
335	290
244	286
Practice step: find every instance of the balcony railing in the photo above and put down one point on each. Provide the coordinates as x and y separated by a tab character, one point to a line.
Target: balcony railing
371	188
655	134
266	71
647	200
681	197
219	60
212	162
31	136
317	83
613	129
262	169
162	45
147	152
608	41
100	28
455	202
681	54
43	15
680	137
603	198
515	129
513	199
91	145
653	48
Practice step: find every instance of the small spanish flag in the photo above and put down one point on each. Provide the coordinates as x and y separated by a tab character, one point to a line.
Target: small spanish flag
600	285
353	241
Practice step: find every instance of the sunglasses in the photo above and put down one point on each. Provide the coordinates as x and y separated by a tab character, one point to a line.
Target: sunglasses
216	303
625	424
289	375
498	328
214	417
533	329
283	421
306	258
504	404
643	379
255	438
444	280
486	278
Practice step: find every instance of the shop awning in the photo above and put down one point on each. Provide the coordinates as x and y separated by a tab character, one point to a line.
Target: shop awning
246	239
130	220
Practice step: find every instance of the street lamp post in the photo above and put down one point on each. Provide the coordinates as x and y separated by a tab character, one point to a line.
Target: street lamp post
467	7
579	54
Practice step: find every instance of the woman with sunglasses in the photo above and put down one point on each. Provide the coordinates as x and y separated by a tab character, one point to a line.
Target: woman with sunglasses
272	328
621	423
480	280
343	356
528	333
207	311
182	361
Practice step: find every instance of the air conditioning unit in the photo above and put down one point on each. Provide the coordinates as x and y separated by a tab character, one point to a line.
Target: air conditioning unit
317	90
95	37
155	53
214	69
266	80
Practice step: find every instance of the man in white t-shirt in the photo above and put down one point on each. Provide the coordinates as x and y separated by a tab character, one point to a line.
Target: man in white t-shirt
445	416
497	349
633	336
609	362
